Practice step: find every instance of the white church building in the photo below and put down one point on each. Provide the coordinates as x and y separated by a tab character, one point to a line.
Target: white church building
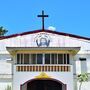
43	60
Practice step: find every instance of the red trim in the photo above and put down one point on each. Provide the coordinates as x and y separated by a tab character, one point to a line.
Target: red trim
55	80
48	31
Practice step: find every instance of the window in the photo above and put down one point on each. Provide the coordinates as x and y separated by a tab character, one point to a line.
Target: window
22	60
39	58
18	58
64	59
33	58
26	58
47	58
60	58
53	58
68	59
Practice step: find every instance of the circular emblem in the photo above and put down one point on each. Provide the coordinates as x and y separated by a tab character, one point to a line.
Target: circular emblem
42	40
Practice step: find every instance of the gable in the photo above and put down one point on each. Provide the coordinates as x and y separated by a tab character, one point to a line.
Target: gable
37	39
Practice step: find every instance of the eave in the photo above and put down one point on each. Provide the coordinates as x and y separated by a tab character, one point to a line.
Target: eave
48	31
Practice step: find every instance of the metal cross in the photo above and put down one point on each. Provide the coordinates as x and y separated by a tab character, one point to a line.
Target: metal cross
43	16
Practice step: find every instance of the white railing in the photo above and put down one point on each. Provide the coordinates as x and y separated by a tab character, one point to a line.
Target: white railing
46	68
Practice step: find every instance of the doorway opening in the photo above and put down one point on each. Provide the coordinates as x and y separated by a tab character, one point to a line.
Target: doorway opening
43	84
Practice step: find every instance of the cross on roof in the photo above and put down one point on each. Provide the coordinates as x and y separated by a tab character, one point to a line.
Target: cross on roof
43	16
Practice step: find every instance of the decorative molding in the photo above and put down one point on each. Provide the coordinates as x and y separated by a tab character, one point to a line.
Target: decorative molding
43	75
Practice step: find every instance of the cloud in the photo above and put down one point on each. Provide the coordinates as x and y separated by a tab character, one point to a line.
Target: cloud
51	28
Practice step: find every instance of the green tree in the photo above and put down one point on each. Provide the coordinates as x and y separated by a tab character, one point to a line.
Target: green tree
82	78
3	31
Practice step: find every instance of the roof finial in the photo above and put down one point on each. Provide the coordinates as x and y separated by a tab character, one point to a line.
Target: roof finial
43	16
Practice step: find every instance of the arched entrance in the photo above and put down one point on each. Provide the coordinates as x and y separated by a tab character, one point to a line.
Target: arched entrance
43	84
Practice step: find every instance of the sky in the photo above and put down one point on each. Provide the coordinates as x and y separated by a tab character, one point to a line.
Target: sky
69	16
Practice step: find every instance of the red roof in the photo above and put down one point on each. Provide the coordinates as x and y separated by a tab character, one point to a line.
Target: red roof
48	31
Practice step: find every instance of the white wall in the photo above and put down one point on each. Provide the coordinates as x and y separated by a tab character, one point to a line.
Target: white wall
5	68
3	85
56	41
21	77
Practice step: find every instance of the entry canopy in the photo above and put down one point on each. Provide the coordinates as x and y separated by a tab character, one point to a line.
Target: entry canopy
54	49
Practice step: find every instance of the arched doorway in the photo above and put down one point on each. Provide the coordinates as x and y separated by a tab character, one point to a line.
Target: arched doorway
43	84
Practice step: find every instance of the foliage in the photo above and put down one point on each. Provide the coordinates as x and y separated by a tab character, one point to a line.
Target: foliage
82	78
8	87
3	31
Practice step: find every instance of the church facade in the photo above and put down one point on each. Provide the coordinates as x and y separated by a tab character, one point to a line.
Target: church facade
43	59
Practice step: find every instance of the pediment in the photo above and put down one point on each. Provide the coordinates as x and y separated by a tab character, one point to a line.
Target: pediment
44	38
